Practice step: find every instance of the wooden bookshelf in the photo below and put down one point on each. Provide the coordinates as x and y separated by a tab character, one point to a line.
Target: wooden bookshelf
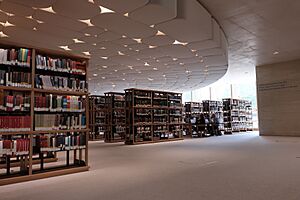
192	111
97	112
153	116
237	115
24	149
115	118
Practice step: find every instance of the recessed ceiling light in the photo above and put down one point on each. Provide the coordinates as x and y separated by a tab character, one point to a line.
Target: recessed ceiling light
202	60
181	63
95	75
3	34
102	48
104	66
154	68
78	41
146	64
138	40
94	44
115	70
7	13
104	57
130	67
120	53
87	34
39	21
139	72
65	48
87	21
49	9
89	79
130	48
124	36
275	52
92	1
152	47
103	77
125	45
34	28
87	53
113	85
152	26
29	17
123	79
95	90
164	75
126	14
181	43
6	24
137	50
193	50
150	79
105	10
174	59
160	33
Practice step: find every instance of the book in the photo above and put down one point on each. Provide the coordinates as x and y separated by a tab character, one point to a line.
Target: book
14	123
60	65
58	103
17	57
45	122
60	83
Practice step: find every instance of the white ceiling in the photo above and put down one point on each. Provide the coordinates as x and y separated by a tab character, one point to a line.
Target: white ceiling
158	44
259	32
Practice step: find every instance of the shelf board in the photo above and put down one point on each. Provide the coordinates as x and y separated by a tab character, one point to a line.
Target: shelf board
56	172
61	92
17	133
62	131
22	89
158	141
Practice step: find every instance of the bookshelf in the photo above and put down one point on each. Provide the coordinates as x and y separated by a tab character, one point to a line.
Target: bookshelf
248	112
43	114
115	117
153	116
214	108
237	115
97	117
192	111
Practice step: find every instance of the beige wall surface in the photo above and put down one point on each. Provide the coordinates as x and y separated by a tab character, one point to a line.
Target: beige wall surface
278	98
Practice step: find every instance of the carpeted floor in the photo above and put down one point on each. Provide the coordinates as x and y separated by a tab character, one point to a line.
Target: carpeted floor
235	167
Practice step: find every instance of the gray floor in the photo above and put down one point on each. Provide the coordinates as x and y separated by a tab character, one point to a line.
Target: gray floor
241	166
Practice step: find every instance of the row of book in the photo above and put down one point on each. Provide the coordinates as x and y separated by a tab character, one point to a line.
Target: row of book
16	79
57	103
60	83
60	142
20	57
14	102
60	65
14	147
14	123
47	122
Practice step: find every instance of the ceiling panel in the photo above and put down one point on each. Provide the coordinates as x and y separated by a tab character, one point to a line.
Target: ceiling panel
16	9
81	10
158	40
122	6
164	10
58	20
123	25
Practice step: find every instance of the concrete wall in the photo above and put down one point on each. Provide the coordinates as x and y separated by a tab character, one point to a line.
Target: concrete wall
278	98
